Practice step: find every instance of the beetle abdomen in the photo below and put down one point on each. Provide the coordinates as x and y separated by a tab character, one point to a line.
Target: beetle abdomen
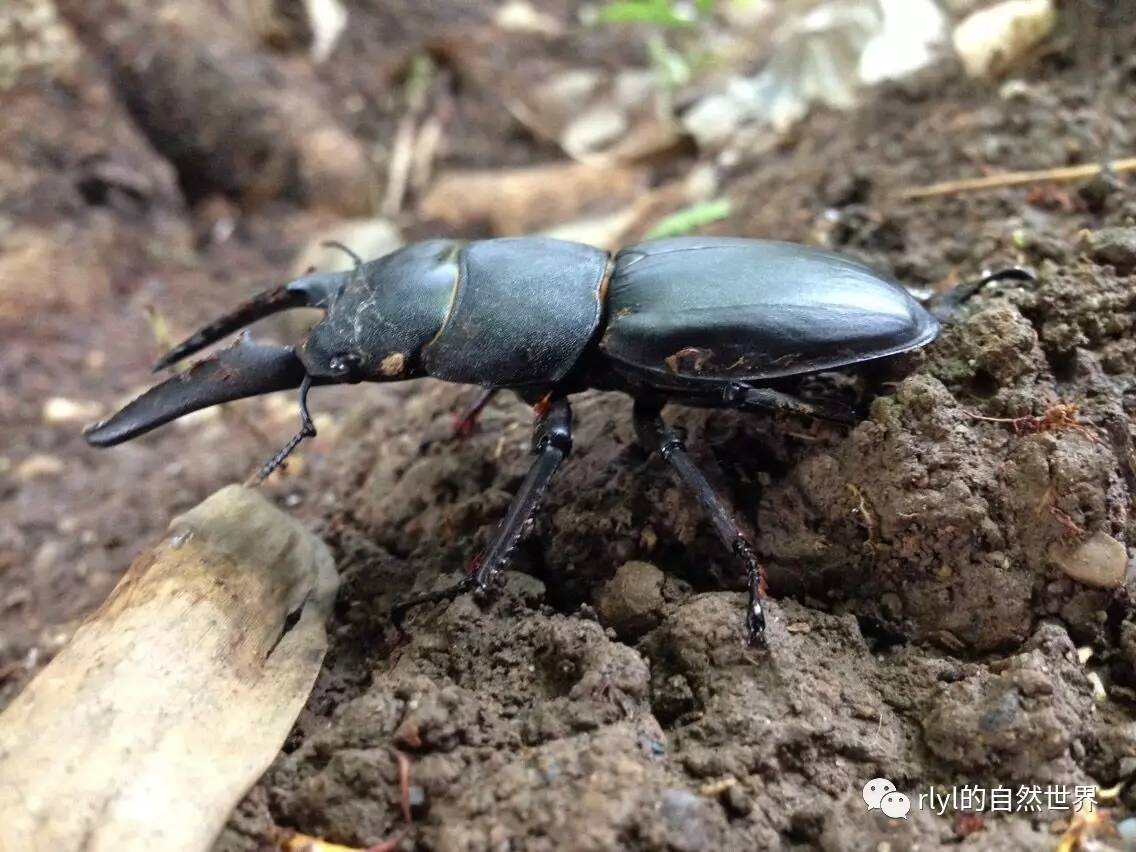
723	309
523	313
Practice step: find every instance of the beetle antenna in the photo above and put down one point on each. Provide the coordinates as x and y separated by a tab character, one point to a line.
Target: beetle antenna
337	244
307	430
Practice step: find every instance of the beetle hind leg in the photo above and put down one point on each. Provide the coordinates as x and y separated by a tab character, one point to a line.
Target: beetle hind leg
943	306
552	442
655	434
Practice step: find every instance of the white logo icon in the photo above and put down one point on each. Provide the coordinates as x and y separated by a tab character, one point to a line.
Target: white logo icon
875	790
895	805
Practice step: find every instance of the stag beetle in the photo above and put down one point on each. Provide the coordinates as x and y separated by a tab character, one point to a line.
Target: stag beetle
710	322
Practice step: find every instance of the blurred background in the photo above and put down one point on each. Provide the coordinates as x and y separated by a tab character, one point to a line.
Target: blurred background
160	160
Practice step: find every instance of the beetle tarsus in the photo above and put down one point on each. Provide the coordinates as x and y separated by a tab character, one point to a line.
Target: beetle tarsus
552	442
657	436
755	584
307	430
398	612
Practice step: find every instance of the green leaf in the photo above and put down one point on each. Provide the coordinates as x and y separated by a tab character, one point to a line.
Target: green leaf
659	12
690	218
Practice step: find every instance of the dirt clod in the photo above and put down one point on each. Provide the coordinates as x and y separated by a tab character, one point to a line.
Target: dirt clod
1114	246
632	601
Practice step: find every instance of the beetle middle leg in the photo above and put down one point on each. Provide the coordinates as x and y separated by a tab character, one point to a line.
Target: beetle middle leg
552	442
743	396
655	434
465	421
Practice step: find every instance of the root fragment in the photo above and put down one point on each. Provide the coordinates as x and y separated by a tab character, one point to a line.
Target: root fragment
1057	418
863	514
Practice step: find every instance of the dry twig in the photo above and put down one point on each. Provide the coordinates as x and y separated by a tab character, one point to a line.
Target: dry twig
1008	179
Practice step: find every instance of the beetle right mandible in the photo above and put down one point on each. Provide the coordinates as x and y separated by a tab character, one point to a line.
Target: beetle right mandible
709	322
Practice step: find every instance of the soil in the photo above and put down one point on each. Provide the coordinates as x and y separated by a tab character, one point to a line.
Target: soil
922	629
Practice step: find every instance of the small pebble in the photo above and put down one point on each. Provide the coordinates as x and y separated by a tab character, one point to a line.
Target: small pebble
716	788
736	801
683	815
1126	828
654	749
1099	693
58	409
1114	246
1097	190
1100	560
39	466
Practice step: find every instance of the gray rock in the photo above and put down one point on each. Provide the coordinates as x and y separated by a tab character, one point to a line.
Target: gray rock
1114	246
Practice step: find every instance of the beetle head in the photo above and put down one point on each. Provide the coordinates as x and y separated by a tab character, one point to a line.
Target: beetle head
345	346
379	321
242	370
378	318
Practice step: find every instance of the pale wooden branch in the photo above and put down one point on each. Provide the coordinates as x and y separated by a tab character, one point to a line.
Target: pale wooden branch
175	696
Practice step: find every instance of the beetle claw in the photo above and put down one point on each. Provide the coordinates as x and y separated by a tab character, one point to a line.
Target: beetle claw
312	291
244	369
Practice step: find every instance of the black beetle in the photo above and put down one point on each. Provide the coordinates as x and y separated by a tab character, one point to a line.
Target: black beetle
712	322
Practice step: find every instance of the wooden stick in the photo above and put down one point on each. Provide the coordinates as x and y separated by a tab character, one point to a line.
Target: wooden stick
1064	173
176	695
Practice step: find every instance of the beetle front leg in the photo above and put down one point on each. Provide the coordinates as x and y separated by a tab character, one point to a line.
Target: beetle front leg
552	442
655	434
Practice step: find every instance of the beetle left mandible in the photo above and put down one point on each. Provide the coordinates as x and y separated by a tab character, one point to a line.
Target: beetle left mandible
708	322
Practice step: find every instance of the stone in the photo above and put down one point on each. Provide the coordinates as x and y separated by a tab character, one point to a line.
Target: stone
990	41
1100	560
1114	247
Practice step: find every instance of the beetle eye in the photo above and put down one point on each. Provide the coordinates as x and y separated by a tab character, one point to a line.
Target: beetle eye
346	365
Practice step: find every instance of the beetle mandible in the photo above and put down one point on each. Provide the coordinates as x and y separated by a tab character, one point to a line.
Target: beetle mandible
709	322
